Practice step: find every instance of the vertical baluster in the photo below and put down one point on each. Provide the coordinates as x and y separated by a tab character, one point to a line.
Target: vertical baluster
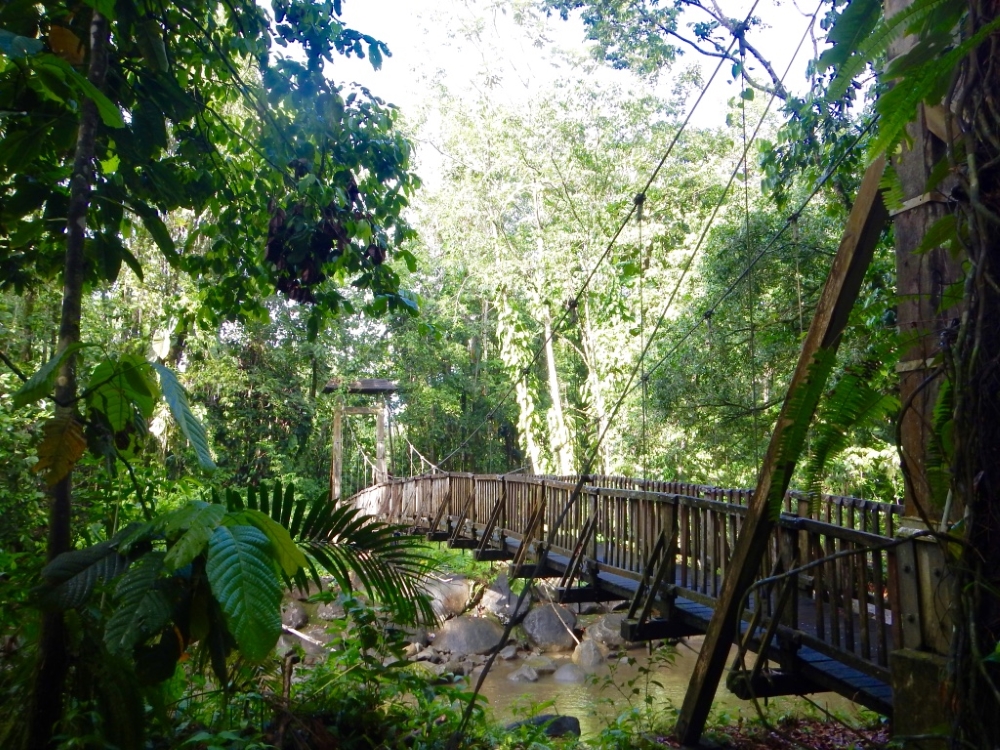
864	619
685	546
847	585
819	588
878	577
833	586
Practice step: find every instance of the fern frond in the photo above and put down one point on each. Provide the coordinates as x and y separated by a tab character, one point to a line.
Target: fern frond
851	405
877	41
892	189
929	82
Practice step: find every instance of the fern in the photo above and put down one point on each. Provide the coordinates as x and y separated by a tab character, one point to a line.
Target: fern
937	464
927	82
797	415
862	41
852	404
892	189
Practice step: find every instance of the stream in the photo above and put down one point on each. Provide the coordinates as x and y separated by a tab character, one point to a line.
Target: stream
596	703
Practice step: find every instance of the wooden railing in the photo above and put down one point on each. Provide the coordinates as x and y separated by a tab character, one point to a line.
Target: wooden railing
843	606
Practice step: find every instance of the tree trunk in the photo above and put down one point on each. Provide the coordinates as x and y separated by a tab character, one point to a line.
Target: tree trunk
596	388
562	448
53	663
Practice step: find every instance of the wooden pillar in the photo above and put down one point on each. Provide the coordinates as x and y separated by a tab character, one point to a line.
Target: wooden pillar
380	421
337	452
921	283
864	227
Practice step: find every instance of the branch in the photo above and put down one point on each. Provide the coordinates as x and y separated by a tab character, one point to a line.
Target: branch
13	368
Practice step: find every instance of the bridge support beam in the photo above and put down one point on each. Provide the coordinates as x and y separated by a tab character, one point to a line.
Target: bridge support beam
864	227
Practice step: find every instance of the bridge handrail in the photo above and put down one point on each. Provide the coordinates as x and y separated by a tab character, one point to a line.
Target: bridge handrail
875	514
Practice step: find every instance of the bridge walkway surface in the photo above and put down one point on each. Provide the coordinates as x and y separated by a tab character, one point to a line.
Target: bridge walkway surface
823	615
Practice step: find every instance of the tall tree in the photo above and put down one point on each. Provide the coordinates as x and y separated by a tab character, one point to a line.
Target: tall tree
116	112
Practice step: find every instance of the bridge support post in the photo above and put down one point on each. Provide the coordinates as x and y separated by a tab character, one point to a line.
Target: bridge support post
864	227
337	453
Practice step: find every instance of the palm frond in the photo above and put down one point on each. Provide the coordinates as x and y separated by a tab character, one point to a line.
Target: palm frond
356	549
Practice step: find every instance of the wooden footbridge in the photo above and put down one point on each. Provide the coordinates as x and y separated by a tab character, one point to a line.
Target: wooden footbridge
829	604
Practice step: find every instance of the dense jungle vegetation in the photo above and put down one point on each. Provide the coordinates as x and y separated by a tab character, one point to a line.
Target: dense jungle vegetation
202	224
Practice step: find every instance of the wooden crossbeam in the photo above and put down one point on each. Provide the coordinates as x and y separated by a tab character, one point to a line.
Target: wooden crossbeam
494	518
492	555
864	226
585	595
656	629
746	685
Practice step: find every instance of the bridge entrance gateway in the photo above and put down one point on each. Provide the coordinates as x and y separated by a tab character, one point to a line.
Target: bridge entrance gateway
834	595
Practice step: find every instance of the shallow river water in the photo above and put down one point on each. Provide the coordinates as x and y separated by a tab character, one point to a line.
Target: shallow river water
595	705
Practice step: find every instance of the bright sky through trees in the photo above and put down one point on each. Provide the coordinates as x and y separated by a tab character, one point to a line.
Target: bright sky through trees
511	51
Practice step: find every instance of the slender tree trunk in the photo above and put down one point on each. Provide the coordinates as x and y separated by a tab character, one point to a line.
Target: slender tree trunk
596	387
562	449
53	662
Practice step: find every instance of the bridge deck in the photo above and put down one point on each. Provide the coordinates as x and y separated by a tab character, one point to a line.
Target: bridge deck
826	605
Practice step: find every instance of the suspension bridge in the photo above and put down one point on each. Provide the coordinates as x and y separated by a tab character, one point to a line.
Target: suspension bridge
835	593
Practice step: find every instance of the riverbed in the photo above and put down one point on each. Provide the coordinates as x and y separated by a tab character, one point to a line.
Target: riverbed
620	687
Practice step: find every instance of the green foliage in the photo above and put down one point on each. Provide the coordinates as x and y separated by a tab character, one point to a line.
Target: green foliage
853	403
261	146
344	542
365	693
175	396
241	573
40	384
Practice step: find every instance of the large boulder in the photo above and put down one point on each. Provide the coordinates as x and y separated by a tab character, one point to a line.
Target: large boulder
293	615
501	602
330	611
550	628
449	595
468	635
608	630
541	664
570	673
589	654
523	674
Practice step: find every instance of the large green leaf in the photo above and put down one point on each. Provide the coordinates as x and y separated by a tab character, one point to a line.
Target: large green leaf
241	574
40	384
143	607
70	578
195	522
192	428
288	555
